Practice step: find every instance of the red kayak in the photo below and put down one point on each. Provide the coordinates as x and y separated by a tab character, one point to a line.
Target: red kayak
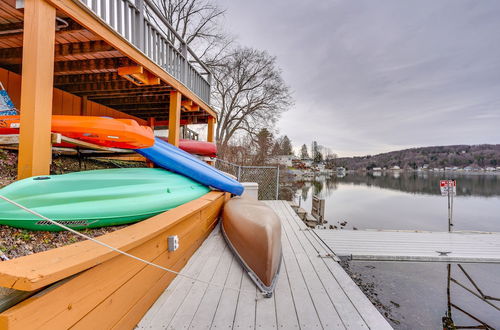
200	148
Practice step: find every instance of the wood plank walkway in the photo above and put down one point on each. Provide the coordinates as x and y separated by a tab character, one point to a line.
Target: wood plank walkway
313	291
388	245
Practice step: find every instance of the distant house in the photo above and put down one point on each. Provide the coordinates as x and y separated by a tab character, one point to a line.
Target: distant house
377	169
395	168
285	160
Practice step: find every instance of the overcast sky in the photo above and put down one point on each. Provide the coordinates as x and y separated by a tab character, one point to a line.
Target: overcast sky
374	76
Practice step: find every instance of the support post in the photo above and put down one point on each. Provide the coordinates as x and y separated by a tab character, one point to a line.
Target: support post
174	118
211	131
36	89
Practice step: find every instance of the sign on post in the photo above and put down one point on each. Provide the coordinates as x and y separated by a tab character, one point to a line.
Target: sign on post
449	189
448	186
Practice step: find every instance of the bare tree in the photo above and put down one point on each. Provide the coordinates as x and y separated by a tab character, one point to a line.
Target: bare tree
249	94
198	23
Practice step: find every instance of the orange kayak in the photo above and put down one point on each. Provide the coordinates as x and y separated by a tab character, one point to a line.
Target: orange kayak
103	131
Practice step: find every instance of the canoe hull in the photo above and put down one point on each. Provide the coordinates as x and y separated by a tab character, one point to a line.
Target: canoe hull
253	231
103	131
98	198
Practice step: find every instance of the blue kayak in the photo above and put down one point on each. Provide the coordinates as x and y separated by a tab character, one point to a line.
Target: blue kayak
174	159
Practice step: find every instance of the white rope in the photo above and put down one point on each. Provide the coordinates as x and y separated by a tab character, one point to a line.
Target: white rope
120	251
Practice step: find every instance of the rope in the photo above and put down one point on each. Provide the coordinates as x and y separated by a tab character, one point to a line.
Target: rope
120	251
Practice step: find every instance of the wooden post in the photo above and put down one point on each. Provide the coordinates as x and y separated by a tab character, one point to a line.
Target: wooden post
210	133
174	118
36	89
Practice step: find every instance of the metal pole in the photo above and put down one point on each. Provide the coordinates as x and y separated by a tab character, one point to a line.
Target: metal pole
449	205
278	183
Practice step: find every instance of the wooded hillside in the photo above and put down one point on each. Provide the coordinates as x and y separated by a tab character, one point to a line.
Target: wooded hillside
476	156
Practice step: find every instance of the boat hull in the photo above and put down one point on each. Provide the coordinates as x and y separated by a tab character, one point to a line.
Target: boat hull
98	198
200	148
103	131
253	231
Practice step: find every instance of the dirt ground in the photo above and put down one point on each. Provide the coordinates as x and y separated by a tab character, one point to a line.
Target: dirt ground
16	242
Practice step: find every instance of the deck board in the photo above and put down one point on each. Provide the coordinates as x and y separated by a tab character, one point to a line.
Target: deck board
313	291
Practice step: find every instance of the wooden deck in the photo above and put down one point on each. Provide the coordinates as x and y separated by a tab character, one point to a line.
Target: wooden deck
385	245
313	291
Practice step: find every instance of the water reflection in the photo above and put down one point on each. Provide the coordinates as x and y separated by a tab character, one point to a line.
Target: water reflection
412	182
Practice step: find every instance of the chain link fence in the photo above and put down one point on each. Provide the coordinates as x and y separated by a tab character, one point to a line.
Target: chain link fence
266	176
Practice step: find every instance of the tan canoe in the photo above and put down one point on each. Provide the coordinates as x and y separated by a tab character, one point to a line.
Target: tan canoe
253	231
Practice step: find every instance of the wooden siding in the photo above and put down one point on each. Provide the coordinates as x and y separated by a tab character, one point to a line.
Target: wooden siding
113	290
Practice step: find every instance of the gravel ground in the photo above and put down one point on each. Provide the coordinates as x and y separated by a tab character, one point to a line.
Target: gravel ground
15	242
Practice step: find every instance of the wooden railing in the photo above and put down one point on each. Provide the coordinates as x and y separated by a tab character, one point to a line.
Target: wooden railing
142	24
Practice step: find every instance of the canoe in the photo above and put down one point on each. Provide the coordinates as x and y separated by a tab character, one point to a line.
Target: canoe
253	231
172	158
201	148
97	198
103	131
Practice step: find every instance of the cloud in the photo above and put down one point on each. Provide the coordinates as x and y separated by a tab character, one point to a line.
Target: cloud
372	75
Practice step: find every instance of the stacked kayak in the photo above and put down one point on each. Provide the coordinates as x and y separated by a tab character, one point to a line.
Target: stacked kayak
103	131
200	148
96	198
172	158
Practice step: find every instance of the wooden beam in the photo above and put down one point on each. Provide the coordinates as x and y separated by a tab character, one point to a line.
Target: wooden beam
138	75
35	152
139	99
90	66
111	86
174	117
211	129
64	52
74	79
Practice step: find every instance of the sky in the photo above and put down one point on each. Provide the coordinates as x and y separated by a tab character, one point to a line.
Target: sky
374	76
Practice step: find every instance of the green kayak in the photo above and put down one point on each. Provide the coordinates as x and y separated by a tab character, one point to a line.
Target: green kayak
98	198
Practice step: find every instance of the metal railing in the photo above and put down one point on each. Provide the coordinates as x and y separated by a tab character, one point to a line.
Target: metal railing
142	24
268	177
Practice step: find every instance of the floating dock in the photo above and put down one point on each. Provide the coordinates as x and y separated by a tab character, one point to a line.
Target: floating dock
313	291
387	245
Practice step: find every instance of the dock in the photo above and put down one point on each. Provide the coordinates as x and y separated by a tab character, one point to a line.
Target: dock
313	291
385	245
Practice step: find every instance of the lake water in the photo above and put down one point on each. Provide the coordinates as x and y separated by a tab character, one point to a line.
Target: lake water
415	294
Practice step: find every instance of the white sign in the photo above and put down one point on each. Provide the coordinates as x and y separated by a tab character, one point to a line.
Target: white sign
448	185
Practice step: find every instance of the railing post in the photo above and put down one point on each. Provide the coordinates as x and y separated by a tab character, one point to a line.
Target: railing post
140	30
184	63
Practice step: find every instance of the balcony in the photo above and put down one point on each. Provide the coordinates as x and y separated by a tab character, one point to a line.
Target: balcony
141	23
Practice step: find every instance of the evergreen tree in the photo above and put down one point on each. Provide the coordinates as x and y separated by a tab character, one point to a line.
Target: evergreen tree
264	145
286	146
304	154
276	149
